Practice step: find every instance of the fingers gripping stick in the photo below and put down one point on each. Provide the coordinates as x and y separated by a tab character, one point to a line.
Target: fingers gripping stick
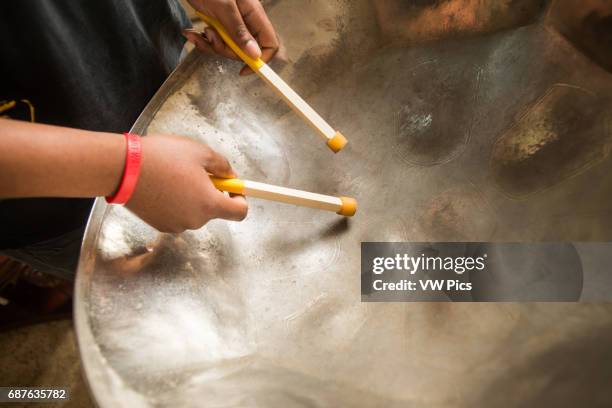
345	206
334	139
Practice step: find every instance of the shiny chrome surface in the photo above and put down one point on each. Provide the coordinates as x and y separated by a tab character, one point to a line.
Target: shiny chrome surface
491	128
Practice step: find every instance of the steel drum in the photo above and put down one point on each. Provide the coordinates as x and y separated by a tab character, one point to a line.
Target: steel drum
467	121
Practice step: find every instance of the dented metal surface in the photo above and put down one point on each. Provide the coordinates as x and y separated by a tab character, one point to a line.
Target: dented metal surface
487	126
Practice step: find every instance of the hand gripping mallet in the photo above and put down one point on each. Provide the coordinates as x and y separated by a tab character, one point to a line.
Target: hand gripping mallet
334	139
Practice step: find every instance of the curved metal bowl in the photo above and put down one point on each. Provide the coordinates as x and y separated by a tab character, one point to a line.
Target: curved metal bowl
489	129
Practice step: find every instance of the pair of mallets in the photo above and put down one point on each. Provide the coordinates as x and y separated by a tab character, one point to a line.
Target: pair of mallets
335	141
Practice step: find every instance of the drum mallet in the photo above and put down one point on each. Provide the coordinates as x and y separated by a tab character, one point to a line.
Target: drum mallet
345	206
334	139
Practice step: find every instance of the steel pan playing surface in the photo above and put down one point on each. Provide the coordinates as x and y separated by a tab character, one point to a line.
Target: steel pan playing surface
497	131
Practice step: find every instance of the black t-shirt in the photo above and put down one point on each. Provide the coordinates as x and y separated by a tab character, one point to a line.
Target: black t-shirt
87	64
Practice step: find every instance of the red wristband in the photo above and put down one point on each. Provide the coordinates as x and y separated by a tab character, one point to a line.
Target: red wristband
131	171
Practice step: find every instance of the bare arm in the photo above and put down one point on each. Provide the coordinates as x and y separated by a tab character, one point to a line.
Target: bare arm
50	161
174	191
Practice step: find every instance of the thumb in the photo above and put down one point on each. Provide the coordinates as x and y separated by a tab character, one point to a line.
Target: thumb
237	29
233	208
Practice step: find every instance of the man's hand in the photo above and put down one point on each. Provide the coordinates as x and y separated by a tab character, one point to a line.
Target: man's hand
174	192
247	24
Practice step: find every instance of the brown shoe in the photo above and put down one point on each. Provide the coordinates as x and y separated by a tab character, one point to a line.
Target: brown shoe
28	296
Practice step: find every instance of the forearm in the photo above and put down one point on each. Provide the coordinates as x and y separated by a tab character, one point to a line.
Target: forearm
50	161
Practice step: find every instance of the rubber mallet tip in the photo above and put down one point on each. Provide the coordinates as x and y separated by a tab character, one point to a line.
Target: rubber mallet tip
349	206
337	142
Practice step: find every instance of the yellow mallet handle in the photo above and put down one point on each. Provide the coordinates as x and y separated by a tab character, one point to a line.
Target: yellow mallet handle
334	139
341	205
